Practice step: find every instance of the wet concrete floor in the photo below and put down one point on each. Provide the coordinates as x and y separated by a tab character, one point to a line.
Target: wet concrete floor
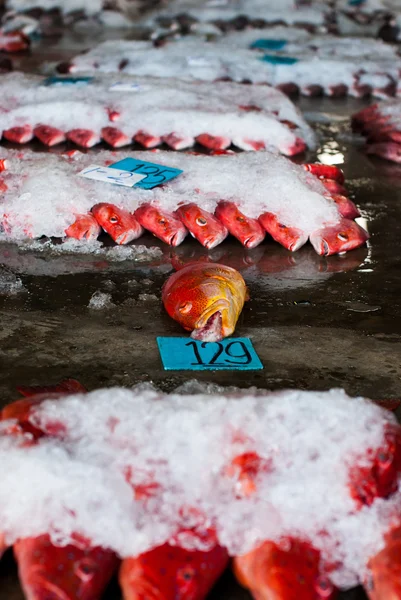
316	323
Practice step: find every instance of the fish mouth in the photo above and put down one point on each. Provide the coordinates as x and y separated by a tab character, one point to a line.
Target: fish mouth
177	238
209	326
41	589
212	331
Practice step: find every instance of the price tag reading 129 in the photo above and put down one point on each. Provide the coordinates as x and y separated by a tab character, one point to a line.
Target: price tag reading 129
185	354
152	173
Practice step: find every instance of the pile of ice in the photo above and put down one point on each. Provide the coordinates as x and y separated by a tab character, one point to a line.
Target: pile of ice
190	59
176	452
155	106
271	11
45	192
87	7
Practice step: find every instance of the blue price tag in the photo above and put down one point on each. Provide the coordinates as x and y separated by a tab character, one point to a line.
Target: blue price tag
185	354
278	60
356	2
268	44
67	80
155	174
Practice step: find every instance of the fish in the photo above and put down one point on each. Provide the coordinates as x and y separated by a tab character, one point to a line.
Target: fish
47	571
202	225
342	237
205	299
287	570
325	171
50	136
170	573
147	140
19	135
163	224
248	231
345	206
291	238
213	142
178	142
84	227
334	187
4	164
388	150
383	579
14	41
121	225
83	137
115	137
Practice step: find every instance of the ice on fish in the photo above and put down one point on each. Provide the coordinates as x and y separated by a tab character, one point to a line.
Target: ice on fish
45	193
185	444
188	59
123	106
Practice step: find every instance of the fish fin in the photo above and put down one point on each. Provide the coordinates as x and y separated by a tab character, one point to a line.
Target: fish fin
69	386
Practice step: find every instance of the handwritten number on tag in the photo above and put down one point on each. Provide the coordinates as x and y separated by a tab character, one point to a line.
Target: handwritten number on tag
220	349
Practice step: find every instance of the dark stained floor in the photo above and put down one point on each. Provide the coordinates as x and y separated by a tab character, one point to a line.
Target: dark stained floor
316	323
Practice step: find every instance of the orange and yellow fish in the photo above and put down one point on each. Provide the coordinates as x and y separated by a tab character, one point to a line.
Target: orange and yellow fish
206	299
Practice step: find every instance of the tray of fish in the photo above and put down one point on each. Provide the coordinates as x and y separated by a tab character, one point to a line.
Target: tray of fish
120	110
181	482
380	123
177	194
334	73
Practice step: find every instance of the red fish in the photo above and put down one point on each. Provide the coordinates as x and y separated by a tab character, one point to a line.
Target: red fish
49	572
147	140
325	171
163	224
4	163
19	135
206	299
342	237
388	150
213	142
83	137
384	581
289	570
84	227
50	136
120	224
248	231
334	187
291	238
115	137
68	386
178	142
172	573
378	479
345	206
15	41
202	225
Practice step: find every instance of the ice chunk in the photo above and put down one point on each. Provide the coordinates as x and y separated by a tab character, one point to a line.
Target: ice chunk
100	301
176	449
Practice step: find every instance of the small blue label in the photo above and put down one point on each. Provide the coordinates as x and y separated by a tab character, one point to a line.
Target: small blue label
356	2
186	354
67	80
155	174
268	44
278	60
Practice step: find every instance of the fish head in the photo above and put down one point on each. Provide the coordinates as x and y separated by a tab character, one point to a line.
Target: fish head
61	573
204	226
383	579
287	570
21	410
344	236
248	231
205	300
84	227
120	224
163	224
171	572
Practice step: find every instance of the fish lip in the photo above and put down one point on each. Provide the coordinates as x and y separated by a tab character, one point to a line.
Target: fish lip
176	238
212	331
217	306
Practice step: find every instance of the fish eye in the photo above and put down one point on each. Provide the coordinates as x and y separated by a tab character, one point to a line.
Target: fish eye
85	569
185	308
241	219
342	236
162	221
113	219
201	221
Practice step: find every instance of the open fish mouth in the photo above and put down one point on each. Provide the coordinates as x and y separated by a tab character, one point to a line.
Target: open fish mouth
212	331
